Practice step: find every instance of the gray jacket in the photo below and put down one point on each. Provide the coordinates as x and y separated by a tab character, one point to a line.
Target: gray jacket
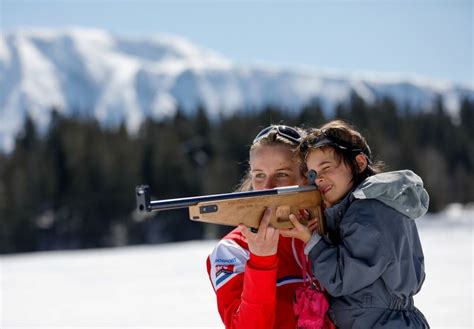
371	263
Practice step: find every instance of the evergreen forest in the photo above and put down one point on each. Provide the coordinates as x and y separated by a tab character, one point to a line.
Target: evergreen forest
73	186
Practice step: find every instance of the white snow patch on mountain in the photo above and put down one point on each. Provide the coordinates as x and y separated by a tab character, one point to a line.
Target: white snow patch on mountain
92	73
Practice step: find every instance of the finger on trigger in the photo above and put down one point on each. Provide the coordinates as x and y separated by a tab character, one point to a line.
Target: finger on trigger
265	219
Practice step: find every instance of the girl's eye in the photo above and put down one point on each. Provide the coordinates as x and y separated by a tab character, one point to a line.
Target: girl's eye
326	168
260	176
282	174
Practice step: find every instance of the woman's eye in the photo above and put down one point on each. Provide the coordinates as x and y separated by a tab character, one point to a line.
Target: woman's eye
282	175
259	176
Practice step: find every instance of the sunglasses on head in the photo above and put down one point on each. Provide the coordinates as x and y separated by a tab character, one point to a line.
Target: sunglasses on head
332	138
287	132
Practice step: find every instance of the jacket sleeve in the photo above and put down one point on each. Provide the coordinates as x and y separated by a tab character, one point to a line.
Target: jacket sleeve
246	290
361	257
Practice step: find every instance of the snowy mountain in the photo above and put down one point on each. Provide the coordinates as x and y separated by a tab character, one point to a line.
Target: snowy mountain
115	79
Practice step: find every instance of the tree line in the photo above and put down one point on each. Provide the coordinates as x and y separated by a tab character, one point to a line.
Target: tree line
72	187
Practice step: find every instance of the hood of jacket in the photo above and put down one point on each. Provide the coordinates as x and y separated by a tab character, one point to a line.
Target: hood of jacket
401	190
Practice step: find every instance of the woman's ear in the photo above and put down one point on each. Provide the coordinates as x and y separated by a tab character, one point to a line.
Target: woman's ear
361	162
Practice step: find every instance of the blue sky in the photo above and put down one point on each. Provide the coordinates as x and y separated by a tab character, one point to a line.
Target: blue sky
432	39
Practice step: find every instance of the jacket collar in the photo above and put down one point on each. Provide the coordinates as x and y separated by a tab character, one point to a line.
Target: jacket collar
334	214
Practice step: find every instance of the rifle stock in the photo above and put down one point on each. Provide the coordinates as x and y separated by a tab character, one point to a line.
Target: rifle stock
242	207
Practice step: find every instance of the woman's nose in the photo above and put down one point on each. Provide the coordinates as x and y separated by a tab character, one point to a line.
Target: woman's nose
269	183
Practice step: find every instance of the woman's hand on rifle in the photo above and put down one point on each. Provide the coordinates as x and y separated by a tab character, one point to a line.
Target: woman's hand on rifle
263	242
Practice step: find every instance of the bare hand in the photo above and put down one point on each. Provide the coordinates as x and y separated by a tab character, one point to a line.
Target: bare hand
265	241
313	224
299	231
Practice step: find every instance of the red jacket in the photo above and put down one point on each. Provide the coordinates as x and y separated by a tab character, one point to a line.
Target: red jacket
255	291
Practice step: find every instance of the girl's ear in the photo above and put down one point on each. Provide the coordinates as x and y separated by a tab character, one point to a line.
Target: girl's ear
361	162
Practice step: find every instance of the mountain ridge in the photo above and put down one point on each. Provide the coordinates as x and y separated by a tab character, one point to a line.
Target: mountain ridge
127	79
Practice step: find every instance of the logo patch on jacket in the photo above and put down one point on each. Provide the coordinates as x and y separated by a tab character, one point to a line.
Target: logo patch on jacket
226	261
224	268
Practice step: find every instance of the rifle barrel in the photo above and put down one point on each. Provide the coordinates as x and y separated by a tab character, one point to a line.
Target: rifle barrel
145	204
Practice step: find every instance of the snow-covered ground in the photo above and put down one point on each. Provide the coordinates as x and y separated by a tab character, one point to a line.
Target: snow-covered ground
167	286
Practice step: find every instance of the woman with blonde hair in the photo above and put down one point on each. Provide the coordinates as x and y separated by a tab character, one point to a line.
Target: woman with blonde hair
255	273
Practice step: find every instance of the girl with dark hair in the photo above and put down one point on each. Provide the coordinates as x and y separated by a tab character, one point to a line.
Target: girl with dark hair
371	262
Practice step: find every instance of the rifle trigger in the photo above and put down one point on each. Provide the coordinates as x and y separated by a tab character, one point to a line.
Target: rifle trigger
207	209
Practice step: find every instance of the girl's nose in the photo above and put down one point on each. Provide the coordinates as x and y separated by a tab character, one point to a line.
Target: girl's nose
319	180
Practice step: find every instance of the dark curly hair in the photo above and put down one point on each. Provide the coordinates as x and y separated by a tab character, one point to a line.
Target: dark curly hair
347	144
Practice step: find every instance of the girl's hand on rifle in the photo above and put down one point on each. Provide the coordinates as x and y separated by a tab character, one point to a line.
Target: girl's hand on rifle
304	217
264	242
300	231
313	224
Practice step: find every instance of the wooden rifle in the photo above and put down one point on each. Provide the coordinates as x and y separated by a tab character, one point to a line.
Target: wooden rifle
244	207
